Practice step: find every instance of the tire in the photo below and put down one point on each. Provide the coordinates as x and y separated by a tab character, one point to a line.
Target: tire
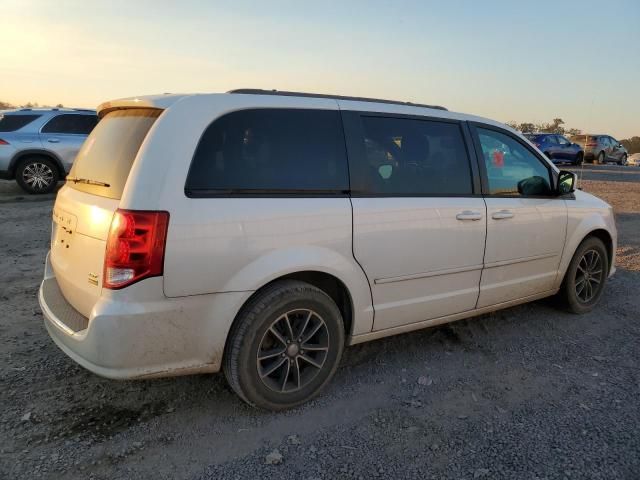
623	160
600	158
574	298
37	175
579	159
261	382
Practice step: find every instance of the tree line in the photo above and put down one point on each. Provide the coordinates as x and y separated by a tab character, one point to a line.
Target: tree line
9	106
558	127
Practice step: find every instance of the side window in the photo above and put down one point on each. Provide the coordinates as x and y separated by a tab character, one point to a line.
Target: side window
511	168
604	141
11	123
71	124
414	157
562	140
552	139
270	150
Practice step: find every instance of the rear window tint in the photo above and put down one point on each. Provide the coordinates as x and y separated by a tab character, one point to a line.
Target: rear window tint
270	151
108	153
74	124
11	123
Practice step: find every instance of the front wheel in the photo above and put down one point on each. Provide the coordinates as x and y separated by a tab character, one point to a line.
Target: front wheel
585	278
579	159
37	175
623	160
285	345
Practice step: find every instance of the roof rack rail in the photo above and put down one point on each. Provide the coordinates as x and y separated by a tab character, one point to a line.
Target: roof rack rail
258	91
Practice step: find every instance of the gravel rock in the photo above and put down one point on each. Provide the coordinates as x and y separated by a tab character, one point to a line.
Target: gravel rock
273	458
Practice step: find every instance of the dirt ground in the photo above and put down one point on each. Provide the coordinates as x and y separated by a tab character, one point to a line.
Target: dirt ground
530	392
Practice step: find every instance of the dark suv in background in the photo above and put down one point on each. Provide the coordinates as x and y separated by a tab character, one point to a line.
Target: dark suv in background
38	146
557	148
601	148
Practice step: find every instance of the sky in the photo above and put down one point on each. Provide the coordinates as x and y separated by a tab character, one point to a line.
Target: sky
506	60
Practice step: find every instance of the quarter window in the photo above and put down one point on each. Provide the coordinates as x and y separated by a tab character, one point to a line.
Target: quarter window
11	123
75	124
511	168
271	151
406	157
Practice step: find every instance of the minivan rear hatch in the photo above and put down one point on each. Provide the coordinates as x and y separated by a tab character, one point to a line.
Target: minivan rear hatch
85	205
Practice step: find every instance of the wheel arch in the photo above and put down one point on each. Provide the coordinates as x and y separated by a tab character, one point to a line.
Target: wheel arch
600	232
334	287
35	152
606	238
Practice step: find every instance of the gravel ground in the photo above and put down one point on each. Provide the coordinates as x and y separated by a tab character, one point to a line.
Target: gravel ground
530	392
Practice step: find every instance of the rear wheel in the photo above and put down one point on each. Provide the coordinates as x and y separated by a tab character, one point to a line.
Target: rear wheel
285	345
585	278
37	175
601	158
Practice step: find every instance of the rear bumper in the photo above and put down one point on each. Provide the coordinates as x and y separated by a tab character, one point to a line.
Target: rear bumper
151	337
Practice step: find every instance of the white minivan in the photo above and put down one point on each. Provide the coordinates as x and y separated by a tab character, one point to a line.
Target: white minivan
259	232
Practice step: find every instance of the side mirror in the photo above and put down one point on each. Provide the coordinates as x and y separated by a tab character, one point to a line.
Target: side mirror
567	182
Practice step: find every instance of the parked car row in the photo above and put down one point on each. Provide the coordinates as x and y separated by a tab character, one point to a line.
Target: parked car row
38	146
596	148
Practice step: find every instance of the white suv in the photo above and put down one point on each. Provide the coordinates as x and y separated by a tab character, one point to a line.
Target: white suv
259	232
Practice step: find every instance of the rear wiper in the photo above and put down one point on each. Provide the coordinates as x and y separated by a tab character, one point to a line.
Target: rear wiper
87	181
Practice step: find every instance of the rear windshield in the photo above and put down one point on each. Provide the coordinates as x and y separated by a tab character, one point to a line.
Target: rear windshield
108	153
580	139
11	123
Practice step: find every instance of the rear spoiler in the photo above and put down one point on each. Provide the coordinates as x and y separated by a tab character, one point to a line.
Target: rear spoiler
158	102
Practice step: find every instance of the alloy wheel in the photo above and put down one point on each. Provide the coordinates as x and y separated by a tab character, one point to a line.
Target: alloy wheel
37	175
589	276
293	351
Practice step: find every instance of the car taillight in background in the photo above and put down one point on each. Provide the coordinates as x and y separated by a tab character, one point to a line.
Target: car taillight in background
135	247
3	142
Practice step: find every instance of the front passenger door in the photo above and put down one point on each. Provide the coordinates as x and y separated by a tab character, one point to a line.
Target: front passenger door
526	221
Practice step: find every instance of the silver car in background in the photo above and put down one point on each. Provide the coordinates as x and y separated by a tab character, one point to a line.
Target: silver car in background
601	148
38	146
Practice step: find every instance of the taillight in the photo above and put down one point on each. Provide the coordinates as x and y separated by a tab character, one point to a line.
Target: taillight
135	247
3	142
592	144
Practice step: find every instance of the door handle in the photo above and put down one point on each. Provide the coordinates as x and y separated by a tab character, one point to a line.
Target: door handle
53	140
469	215
502	214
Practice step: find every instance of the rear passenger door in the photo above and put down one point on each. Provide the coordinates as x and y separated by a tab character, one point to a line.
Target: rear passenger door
64	134
526	221
419	222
